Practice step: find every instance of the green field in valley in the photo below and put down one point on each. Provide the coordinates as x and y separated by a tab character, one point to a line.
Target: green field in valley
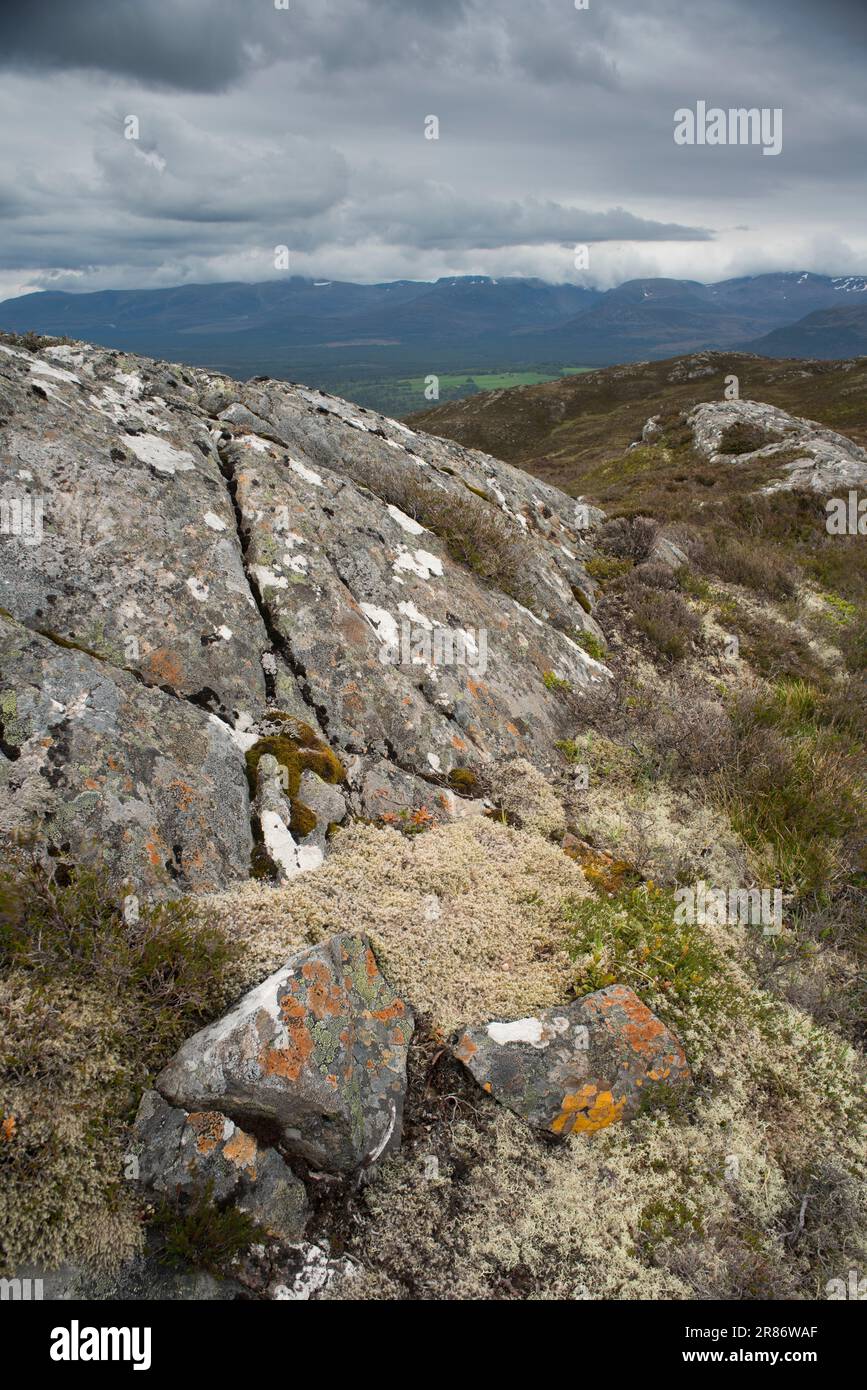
399	396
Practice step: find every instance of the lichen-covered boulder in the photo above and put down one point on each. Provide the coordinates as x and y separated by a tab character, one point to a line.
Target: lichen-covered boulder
811	456
317	1053
185	1154
141	561
579	1067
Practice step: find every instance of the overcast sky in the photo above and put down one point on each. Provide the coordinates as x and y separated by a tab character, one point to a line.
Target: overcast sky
305	127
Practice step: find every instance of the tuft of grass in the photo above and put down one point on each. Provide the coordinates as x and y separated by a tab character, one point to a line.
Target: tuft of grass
554	682
795	788
155	957
602	567
694	585
202	1234
632	937
762	567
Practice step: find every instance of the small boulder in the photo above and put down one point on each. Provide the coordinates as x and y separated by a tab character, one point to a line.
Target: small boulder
666	552
578	1067
180	1153
316	1053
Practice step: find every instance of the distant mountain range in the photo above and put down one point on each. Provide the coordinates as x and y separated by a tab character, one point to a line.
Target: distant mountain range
328	329
829	333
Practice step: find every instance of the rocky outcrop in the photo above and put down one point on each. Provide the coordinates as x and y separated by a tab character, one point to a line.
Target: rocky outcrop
184	557
184	1155
810	455
316	1055
578	1068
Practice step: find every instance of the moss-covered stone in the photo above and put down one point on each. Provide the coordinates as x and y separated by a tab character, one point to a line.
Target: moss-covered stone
297	749
302	821
463	780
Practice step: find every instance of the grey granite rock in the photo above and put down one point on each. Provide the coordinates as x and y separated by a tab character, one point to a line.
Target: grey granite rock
317	1051
579	1067
185	1155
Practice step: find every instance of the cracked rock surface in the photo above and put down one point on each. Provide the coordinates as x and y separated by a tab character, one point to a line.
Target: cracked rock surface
210	552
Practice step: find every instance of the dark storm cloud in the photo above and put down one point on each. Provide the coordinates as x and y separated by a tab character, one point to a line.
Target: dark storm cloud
202	45
197	45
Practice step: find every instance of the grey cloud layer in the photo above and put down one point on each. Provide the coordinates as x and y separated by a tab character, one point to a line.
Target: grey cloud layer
305	126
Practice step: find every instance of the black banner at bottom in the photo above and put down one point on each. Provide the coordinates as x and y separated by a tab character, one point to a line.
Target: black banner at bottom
61	1338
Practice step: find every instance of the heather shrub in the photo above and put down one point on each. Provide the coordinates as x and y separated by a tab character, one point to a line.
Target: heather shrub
628	538
744	437
667	622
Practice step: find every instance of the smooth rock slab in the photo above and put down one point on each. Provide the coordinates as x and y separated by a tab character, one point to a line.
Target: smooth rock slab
180	1153
578	1067
317	1053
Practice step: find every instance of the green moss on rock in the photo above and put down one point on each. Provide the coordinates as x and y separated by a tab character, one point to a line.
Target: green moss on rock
463	779
298	749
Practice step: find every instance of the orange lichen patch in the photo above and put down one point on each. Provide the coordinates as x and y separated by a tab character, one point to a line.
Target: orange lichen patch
587	1110
185	792
323	995
153	853
207	1125
164	668
465	1048
643	1030
352	707
389	1014
459	744
513	731
242	1150
289	1060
